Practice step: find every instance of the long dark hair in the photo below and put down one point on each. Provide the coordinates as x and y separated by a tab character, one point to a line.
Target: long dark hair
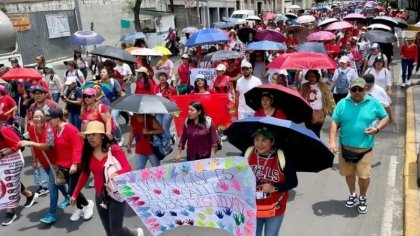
201	117
88	152
146	82
315	72
196	90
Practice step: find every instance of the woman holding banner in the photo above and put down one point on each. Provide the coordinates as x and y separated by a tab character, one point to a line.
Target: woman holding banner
274	179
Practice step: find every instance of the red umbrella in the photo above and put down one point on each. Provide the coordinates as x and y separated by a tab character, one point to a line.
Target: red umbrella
270	35
303	60
269	16
339	25
22	73
354	16
321	36
294	106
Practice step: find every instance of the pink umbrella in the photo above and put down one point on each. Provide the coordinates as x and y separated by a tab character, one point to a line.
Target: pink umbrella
270	35
354	16
339	25
321	36
269	15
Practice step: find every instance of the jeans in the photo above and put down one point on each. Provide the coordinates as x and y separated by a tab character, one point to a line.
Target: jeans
271	225
165	121
56	97
41	177
406	65
54	192
84	72
74	119
118	133
112	218
141	160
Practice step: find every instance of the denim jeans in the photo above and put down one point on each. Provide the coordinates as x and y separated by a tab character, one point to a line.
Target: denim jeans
141	160
54	192
406	65
165	121
271	225
41	177
56	97
74	119
118	133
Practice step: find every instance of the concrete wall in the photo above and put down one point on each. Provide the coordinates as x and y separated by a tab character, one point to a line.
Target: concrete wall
35	6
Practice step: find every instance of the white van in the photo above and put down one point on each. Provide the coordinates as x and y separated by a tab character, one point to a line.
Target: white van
243	14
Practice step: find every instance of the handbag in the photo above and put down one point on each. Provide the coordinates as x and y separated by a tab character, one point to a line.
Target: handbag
353	157
158	149
111	166
318	117
269	210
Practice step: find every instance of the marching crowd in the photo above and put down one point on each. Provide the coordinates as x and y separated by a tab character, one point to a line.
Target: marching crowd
69	124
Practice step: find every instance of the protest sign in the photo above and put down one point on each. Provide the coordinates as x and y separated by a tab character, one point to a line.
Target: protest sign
215	192
10	168
209	74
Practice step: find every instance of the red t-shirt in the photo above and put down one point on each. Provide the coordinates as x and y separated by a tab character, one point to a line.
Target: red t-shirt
291	43
68	146
143	142
334	49
41	137
166	93
184	73
95	114
221	84
277	113
140	89
410	53
9	139
6	103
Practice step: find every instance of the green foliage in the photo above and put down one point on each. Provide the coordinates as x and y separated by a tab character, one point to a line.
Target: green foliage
129	6
3	8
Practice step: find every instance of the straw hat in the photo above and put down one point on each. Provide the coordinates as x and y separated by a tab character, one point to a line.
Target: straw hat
94	127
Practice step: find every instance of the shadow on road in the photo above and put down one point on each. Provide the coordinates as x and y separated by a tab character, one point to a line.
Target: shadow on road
334	207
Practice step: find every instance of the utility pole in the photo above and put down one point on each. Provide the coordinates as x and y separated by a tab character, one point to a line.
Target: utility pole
171	3
198	13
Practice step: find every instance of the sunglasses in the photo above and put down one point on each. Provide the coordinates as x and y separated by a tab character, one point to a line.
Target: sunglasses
245	68
87	96
199	80
357	89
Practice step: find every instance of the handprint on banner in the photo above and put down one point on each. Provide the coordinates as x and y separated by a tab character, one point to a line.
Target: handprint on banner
199	167
201	223
212	224
220	224
190	222
173	213
241	166
201	215
223	186
219	214
160	171
209	211
214	163
237	219
236	185
184	213
228	211
145	174
185	168
159	213
191	208
179	222
229	162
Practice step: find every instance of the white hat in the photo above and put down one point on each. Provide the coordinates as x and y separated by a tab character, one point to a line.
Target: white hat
375	46
142	69
246	63
199	76
70	80
185	56
344	59
221	67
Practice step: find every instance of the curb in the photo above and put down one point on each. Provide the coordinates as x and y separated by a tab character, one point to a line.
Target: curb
411	190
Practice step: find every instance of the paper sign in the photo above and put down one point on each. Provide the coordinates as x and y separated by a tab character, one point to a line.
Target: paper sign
58	25
20	21
10	168
216	193
209	74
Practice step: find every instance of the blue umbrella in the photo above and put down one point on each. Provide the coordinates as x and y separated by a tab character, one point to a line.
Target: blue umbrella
85	38
206	36
131	36
265	45
300	145
312	47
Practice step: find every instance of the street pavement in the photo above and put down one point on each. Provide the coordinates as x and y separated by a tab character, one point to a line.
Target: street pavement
316	206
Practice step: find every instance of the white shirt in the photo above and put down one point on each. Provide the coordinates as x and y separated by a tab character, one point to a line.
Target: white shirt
383	78
124	69
380	94
242	86
315	97
350	74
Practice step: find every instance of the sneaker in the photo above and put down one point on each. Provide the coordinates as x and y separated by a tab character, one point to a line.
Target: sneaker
48	219
351	201
76	215
31	200
91	184
8	219
64	204
408	83
223	138
362	208
88	210
42	191
403	85
140	232
121	142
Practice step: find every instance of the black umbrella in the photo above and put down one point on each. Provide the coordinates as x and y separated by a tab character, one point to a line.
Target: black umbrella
299	144
222	55
379	36
113	53
312	47
144	104
401	23
243	34
386	20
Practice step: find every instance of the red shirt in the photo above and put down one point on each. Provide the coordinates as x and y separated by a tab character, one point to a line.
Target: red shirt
97	168
68	146
332	50
291	42
41	137
184	73
9	139
95	113
166	93
410	52
143	142
277	113
140	89
6	103
221	84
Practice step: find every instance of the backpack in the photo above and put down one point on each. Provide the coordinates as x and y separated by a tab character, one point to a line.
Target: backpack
77	77
342	84
208	125
280	156
111	166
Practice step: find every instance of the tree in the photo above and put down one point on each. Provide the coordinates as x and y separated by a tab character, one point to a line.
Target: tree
3	8
136	11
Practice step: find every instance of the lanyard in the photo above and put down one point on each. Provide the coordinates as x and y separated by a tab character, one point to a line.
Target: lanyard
260	168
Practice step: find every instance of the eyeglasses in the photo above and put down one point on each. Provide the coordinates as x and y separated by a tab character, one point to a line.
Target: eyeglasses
357	89
87	96
199	80
245	68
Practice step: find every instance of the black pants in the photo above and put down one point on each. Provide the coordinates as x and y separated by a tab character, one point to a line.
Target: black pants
316	128
72	182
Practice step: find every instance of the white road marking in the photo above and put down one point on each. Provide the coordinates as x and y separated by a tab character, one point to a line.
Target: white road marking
386	226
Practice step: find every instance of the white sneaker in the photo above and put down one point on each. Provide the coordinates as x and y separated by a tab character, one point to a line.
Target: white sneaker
76	215
140	232
408	83
88	210
403	85
121	142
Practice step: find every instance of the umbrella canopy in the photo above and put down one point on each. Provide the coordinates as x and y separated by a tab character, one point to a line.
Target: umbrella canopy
256	18
265	45
300	145
190	30
206	36
145	52
270	35
113	53
162	49
321	36
293	7
85	38
130	49
144	104
269	15
299	31
327	22
401	23
386	20
379	36
294	106
305	19
243	34
222	55
302	61
312	47
379	26
106	88
291	15
21	73
354	17
339	25
223	24
417	24
133	36
280	17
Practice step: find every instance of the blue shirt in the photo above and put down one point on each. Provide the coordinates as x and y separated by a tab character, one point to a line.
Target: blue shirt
354	118
73	96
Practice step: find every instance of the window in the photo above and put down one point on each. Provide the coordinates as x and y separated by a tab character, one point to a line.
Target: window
148	26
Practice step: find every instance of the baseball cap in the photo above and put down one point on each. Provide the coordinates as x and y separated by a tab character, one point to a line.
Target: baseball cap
265	132
246	63
379	58
199	76
38	88
375	46
70	80
359	82
221	67
49	66
344	59
185	56
90	92
54	113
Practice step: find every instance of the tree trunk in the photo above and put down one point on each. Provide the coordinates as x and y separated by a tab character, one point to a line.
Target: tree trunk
136	11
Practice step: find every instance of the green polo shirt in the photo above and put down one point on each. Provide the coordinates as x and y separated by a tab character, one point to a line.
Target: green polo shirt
354	118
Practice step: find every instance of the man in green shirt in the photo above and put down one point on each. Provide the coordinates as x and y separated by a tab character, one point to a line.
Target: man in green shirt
360	117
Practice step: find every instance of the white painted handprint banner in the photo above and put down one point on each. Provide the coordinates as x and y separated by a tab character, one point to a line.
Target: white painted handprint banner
11	166
215	193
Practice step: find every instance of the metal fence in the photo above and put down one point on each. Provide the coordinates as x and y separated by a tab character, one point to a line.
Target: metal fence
36	41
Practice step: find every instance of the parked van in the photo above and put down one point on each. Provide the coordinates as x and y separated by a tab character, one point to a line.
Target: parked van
243	14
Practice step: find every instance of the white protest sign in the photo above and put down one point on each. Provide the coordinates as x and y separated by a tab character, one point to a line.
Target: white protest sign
10	168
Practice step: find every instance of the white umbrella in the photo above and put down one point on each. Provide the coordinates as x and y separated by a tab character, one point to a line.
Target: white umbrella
379	26
327	21
293	7
190	30
253	18
418	24
145	52
305	19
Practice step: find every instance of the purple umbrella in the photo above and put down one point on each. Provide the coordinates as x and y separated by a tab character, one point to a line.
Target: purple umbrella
85	38
270	35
